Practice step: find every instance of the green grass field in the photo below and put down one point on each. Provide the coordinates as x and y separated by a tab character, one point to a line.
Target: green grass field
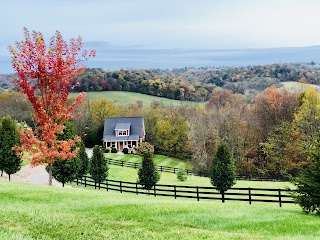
40	212
131	175
124	98
298	87
160	160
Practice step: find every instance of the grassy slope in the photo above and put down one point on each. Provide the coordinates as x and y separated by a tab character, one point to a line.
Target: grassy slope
39	212
123	98
160	160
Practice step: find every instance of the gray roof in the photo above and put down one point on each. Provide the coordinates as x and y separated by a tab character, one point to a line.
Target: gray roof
121	138
136	126
122	126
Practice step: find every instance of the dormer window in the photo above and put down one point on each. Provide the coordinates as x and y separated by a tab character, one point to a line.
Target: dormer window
122	129
122	133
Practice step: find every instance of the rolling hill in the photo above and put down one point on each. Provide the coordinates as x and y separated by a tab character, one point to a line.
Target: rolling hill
124	98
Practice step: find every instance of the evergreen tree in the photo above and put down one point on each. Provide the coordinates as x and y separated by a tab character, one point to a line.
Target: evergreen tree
84	160
66	170
10	162
307	194
98	165
222	174
148	173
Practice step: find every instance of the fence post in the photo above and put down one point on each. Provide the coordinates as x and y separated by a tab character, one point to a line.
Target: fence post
160	168
250	196
77	181
222	196
120	186
135	165
85	181
174	170
107	185
137	188
280	203
154	189
197	193
121	163
175	191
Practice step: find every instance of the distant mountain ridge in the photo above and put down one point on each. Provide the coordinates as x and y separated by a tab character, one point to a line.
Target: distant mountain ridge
111	57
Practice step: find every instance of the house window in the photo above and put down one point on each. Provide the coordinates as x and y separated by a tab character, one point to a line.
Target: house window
108	144
129	144
122	133
113	144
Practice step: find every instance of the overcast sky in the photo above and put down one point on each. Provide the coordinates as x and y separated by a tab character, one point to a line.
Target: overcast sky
216	24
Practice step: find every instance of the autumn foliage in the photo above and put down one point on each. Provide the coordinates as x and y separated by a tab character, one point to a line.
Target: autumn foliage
45	71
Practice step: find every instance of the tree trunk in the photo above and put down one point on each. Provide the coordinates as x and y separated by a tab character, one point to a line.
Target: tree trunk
50	174
1	173
9	177
63	184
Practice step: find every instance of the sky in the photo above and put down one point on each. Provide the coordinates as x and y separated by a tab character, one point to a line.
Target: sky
166	24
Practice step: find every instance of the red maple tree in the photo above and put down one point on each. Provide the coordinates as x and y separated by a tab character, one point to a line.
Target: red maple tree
44	74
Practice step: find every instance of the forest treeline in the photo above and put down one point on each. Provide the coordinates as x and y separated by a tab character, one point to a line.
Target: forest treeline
192	84
269	135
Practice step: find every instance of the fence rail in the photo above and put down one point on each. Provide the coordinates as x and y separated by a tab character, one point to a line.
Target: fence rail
250	195
175	170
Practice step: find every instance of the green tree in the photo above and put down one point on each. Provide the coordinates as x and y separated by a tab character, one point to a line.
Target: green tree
10	162
148	173
307	194
84	160
222	174
67	170
98	165
276	151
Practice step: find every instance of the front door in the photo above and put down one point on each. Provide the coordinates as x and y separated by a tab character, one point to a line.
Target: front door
120	146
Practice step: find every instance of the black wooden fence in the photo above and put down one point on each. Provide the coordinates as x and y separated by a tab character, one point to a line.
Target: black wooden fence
137	165
250	195
175	170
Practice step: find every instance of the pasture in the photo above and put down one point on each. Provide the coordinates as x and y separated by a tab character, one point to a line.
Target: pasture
131	174
159	160
297	86
125	98
40	212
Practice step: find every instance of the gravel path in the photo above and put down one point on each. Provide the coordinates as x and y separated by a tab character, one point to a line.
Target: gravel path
35	175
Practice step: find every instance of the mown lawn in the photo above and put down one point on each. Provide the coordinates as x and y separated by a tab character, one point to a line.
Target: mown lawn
125	98
131	175
39	212
160	160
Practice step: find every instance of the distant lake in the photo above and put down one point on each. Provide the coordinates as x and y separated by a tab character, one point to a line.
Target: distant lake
109	58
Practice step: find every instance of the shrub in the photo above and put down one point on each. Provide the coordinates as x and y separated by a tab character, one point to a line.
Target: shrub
125	150
107	150
114	150
182	174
